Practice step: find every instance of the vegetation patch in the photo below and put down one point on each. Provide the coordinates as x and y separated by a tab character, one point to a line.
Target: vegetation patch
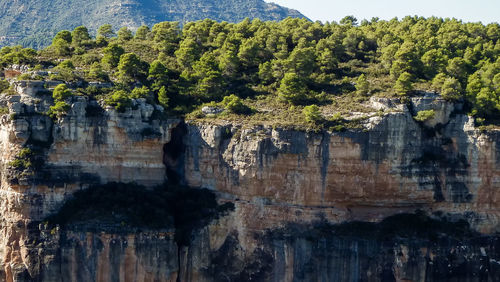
27	164
312	113
4	85
423	116
23	160
234	104
119	100
259	70
59	109
60	95
4	110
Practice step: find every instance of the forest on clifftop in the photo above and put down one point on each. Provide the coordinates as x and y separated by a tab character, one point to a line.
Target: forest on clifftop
289	72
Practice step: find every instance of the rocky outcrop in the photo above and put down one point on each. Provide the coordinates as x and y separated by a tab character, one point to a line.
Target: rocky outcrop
395	165
89	145
293	193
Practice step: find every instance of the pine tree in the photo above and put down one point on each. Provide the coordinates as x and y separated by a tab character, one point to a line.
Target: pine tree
163	97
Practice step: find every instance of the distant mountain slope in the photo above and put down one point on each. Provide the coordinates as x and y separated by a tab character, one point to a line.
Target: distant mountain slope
34	22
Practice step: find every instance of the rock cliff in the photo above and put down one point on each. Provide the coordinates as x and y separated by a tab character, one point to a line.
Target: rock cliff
398	200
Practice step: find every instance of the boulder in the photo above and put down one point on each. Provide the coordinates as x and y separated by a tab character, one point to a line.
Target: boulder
208	110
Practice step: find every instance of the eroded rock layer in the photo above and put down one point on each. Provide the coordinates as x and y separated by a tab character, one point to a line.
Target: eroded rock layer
395	164
292	192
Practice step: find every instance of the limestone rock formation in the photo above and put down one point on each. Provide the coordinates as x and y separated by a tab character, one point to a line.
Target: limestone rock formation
397	201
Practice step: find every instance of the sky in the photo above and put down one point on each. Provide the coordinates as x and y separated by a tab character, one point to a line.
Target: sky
485	11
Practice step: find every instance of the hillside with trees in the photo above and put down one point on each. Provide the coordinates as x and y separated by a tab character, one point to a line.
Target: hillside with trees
288	72
33	23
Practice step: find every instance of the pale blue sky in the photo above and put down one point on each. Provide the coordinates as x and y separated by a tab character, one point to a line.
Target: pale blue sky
486	11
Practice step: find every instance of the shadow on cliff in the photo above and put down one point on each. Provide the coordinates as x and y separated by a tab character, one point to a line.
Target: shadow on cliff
441	160
403	247
125	208
438	157
173	155
409	247
418	225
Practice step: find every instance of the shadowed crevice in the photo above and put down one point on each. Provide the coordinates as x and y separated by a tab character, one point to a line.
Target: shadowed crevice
174	155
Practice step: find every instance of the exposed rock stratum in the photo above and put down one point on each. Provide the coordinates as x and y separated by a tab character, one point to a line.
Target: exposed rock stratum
397	200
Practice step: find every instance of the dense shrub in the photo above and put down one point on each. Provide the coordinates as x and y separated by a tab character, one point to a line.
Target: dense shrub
120	100
423	116
163	98
404	84
96	73
293	89
4	85
362	85
234	104
24	160
59	109
312	113
61	92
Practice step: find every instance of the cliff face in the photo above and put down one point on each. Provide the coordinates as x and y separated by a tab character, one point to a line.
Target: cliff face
90	145
291	190
394	165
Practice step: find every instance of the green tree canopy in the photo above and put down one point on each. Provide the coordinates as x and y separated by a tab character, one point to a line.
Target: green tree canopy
97	73
142	33
163	98
189	52
125	34
404	84
293	89
312	113
362	85
61	92
166	35
105	31
131	68
120	100
112	55
209	81
234	104
61	43
158	75
451	89
349	20
80	35
299	61
63	35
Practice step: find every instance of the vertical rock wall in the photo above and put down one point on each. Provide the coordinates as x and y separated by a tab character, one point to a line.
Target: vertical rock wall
90	145
396	164
285	184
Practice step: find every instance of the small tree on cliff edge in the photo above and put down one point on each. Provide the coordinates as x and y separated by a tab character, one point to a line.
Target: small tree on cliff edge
312	113
163	97
61	92
403	84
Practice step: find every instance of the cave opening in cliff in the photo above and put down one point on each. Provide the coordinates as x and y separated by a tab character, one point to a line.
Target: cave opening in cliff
173	154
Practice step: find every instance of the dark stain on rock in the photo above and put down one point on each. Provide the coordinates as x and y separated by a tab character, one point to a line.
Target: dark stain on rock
227	264
363	251
174	154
